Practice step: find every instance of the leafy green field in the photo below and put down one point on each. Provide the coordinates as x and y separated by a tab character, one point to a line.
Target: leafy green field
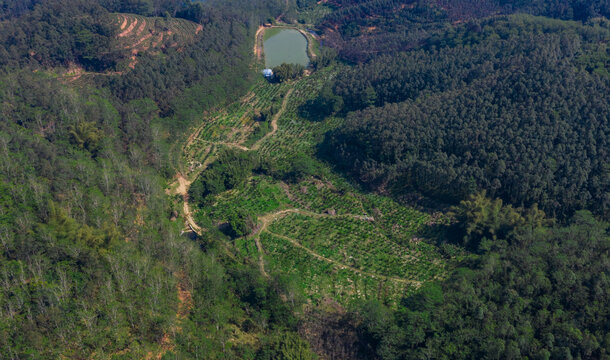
260	196
321	278
359	243
295	134
341	243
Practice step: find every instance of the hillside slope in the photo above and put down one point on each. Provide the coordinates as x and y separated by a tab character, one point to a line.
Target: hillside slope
139	34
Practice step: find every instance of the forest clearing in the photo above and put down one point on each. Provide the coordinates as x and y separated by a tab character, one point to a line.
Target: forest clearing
342	274
139	34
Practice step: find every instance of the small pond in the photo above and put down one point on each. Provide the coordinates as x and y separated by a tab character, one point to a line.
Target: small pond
284	46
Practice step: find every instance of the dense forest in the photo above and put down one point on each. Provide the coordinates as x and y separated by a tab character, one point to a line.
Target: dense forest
38	37
516	106
72	246
522	116
90	259
535	293
364	29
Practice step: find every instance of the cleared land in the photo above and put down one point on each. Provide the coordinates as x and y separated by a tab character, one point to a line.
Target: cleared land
341	243
139	34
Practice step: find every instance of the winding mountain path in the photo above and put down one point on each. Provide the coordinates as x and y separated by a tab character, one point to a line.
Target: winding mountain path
183	188
238	145
274	121
182	183
258	43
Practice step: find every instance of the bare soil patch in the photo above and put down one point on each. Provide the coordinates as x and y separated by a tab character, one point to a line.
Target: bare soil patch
129	29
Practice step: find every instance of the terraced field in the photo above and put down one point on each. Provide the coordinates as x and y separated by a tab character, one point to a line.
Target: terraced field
359	243
295	134
373	238
231	127
341	243
321	278
138	34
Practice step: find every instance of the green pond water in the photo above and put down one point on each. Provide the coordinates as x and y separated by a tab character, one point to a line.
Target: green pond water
285	46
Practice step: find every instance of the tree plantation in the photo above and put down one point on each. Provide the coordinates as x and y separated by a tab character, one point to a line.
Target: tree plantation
433	184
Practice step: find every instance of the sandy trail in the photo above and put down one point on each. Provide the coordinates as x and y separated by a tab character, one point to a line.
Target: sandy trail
258	43
182	189
261	260
274	129
237	145
183	185
266	220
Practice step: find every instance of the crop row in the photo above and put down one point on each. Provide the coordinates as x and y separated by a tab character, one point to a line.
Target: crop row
322	279
296	134
259	196
319	196
356	243
235	122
